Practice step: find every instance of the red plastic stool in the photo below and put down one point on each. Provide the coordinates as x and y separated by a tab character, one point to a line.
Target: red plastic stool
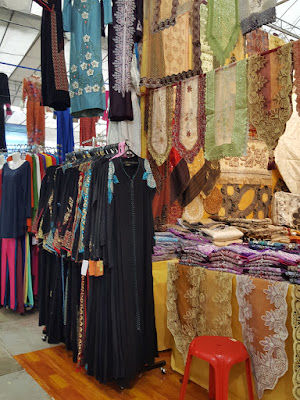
222	353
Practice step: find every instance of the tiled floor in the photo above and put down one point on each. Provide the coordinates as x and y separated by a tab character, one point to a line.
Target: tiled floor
19	334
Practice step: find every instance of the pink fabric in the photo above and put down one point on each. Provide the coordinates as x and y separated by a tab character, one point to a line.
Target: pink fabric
8	253
20	296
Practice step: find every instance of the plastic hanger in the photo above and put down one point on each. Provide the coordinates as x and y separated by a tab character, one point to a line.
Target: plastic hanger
122	150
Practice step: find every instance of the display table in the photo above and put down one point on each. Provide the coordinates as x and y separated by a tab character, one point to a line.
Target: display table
160	272
199	369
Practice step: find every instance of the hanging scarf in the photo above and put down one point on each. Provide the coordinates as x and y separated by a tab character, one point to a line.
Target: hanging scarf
296	51
269	93
296	339
263	314
198	303
189	126
257	42
223	27
160	124
226	112
256	13
201	183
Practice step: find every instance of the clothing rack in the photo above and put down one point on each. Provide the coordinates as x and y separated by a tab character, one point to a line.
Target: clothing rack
22	148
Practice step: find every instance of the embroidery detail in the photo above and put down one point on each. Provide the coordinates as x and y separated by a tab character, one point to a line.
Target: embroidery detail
189	125
73	68
159	137
112	179
171	21
266	347
85	15
124	33
86	38
270	123
249	169
148	175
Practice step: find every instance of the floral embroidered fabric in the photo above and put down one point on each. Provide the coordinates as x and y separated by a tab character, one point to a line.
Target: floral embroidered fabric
296	56
226	112
189	125
198	303
261	300
296	339
269	110
256	13
223	27
249	169
160	124
257	42
286	206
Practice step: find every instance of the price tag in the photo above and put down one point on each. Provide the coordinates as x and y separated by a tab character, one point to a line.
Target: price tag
84	267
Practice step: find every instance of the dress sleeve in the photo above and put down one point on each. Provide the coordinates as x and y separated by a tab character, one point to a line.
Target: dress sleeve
67	15
107	12
27	190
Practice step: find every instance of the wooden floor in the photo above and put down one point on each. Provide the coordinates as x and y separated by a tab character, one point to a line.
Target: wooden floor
54	370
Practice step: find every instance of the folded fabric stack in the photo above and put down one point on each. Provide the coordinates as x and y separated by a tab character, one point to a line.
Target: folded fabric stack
197	254
223	236
232	258
259	229
167	246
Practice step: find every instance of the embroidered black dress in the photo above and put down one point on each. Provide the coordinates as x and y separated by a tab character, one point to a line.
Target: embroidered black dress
55	87
131	188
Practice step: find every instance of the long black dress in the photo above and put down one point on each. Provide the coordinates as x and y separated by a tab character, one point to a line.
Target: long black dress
55	87
131	188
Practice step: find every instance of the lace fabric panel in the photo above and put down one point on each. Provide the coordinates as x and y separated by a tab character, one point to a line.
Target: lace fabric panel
189	125
296	339
193	212
285	209
263	314
269	93
160	124
296	56
192	309
164	61
249	169
207	58
164	14
223	27
256	13
226	112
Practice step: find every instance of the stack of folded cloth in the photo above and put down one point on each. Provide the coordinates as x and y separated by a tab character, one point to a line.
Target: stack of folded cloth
232	258
223	236
167	246
197	254
261	229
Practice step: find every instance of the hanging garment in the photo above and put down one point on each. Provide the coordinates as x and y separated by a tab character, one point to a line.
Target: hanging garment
87	130
55	90
4	100
129	130
8	271
131	188
16	200
296	57
121	38
257	42
35	112
65	136
83	20
254	14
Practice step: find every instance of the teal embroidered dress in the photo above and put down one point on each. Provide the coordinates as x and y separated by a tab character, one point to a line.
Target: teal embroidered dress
83	20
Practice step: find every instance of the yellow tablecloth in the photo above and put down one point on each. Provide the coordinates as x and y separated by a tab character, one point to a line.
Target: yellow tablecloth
160	272
237	379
